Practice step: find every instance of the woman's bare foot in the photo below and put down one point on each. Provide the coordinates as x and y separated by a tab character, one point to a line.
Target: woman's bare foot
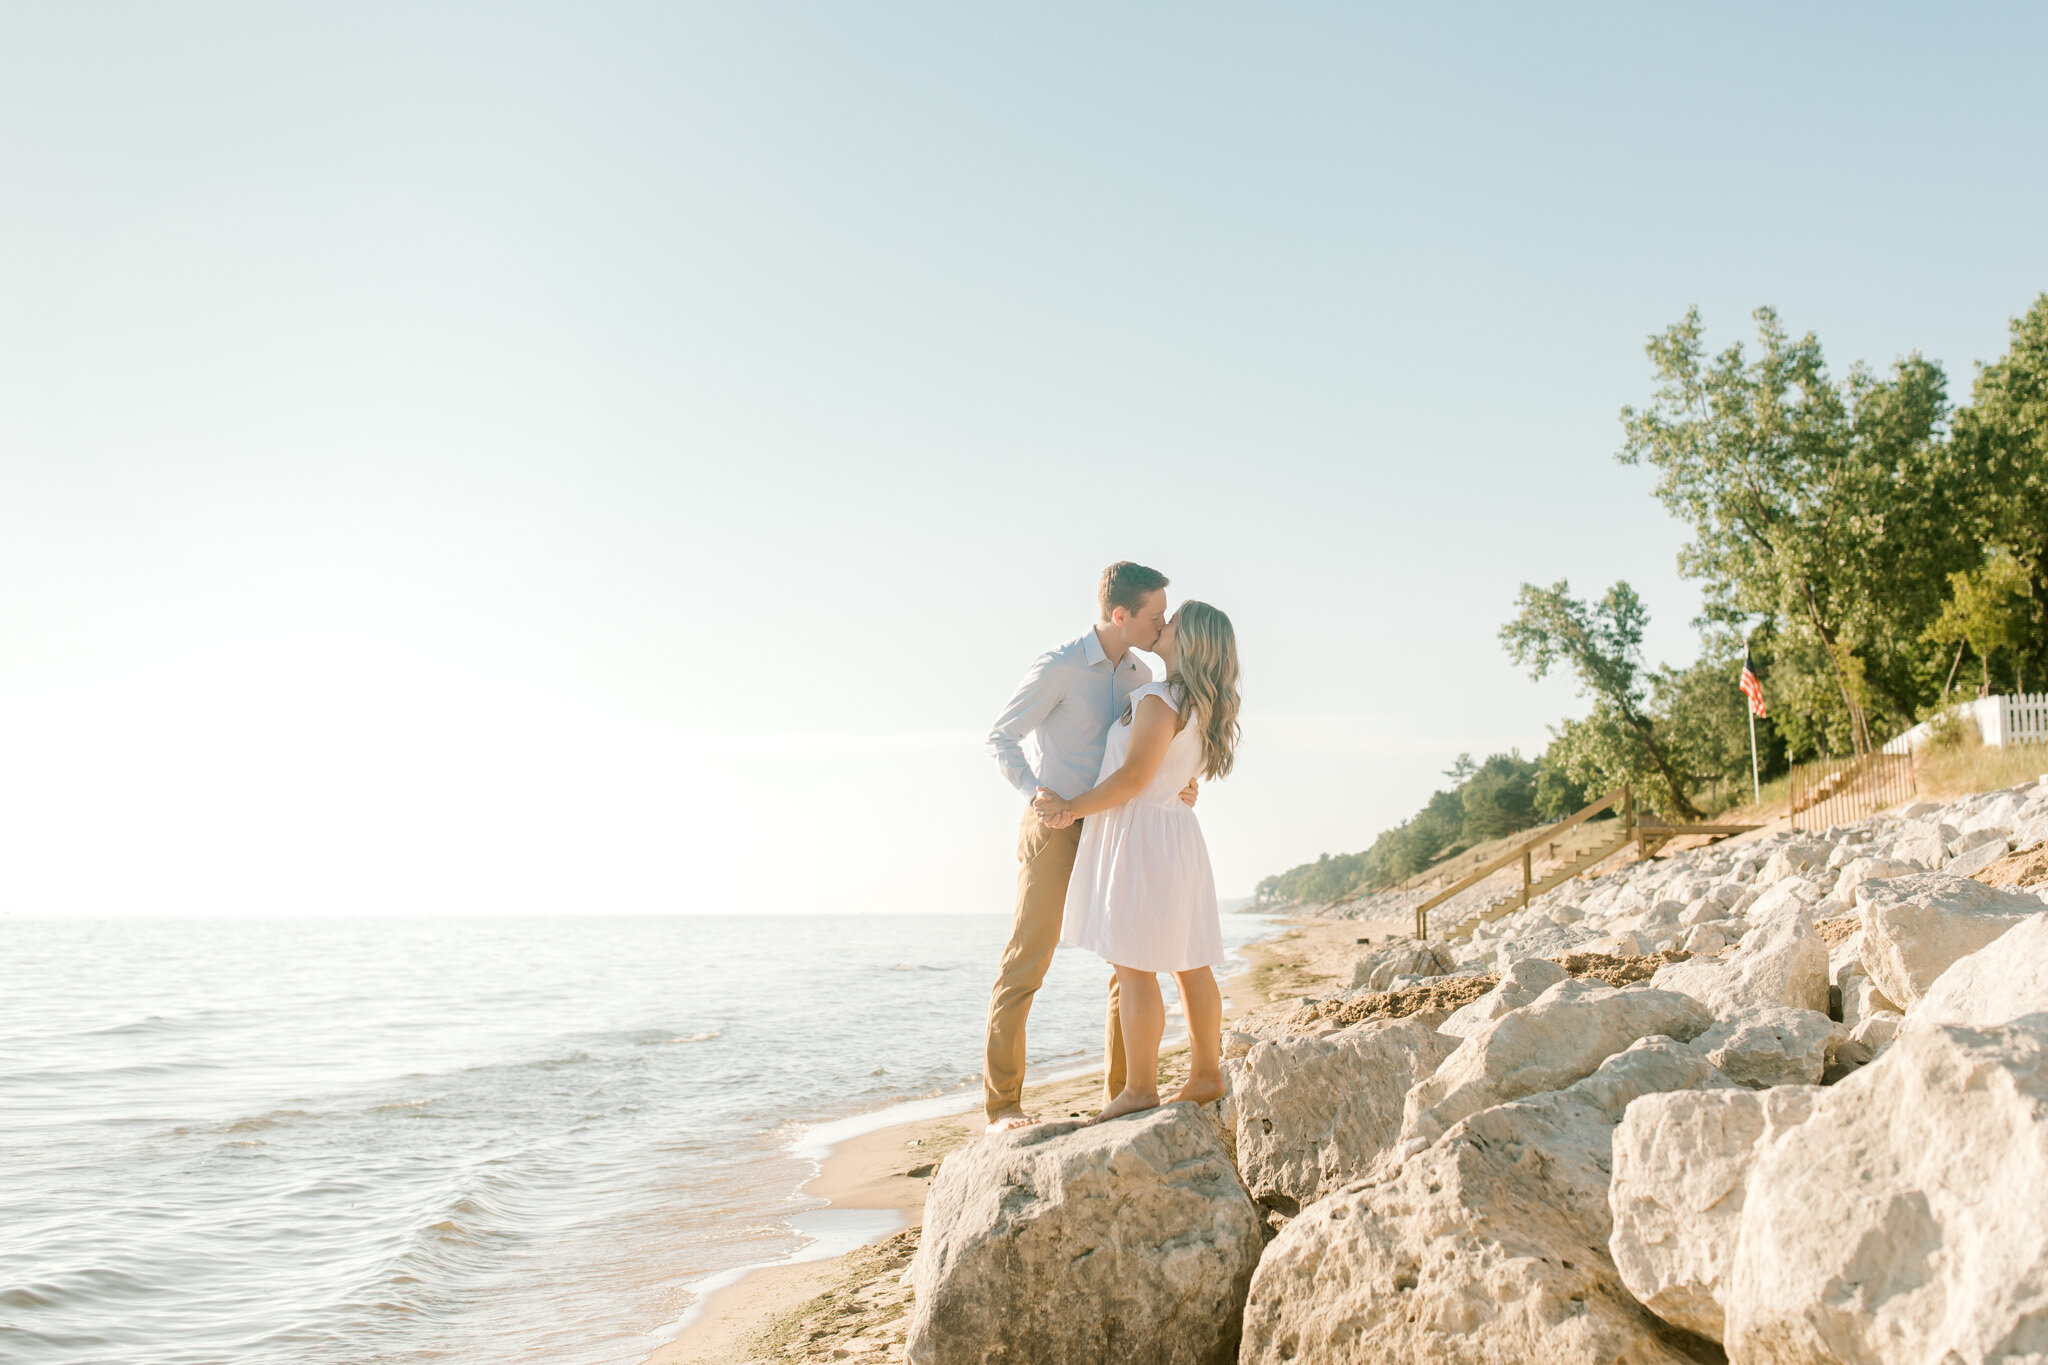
1199	1090
1009	1120
1127	1103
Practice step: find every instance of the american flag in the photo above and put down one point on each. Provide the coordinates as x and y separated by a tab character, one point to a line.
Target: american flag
1752	686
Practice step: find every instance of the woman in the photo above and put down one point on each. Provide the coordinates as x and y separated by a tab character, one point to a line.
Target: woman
1142	895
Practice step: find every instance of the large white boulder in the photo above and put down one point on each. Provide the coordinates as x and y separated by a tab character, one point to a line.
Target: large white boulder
1312	1114
1857	871
1377	972
1915	927
1781	962
1903	1221
1977	859
1765	1045
1556	1039
1131	1240
1793	859
2003	980
1996	815
1518	985
1489	1247
1922	845
1681	1165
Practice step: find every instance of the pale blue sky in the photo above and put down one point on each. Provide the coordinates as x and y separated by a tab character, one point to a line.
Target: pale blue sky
605	456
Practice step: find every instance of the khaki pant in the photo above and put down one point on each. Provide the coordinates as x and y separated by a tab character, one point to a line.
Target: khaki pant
1045	860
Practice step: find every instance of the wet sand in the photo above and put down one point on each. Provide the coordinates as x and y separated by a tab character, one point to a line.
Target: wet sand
854	1308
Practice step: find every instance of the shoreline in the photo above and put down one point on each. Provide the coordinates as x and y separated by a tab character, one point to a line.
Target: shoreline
850	1298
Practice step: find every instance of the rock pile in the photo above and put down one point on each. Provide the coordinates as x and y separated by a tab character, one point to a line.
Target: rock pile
1812	1128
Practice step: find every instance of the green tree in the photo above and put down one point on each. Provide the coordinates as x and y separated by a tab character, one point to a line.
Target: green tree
1703	713
1990	610
2001	452
1603	644
1826	509
1558	792
1499	797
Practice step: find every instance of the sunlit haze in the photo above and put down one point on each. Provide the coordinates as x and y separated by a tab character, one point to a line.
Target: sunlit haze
612	457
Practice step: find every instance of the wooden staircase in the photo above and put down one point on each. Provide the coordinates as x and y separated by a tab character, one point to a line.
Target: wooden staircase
1648	835
1503	906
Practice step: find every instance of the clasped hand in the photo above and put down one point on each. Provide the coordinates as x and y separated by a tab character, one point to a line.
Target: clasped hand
1056	812
1052	809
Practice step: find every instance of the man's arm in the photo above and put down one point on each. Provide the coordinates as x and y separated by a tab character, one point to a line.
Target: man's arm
1036	696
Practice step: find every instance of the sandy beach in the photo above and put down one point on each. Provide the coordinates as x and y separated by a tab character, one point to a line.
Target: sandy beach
854	1308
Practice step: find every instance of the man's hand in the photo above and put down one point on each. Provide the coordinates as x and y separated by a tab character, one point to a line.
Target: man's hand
1051	808
1192	790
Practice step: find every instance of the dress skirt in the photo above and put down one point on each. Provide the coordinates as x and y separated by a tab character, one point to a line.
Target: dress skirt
1142	893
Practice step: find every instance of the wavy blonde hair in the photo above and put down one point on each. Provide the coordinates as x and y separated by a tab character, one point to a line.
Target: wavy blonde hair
1205	673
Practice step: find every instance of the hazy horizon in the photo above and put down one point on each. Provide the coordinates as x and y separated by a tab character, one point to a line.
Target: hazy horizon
620	459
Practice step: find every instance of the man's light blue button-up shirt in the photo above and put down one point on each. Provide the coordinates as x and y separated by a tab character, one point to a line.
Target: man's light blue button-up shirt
1064	707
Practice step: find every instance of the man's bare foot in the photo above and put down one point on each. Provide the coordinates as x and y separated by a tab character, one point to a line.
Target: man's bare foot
1204	1091
1009	1120
1127	1103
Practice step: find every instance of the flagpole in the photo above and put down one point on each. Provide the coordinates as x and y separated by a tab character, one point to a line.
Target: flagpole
1756	785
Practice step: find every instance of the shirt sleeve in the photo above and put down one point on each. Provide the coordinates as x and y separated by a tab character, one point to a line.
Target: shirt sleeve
1036	696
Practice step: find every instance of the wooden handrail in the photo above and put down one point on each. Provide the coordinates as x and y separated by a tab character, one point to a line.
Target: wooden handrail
1621	795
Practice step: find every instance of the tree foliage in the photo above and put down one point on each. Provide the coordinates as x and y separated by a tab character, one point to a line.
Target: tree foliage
1824	508
1602	643
1855	533
1990	610
1487	800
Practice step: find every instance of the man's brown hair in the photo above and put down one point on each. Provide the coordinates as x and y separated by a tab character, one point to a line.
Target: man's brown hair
1127	585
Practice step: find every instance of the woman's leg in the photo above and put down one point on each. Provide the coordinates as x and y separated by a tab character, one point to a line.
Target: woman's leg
1144	1021
1203	1004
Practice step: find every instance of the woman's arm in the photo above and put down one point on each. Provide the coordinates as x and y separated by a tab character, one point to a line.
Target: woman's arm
1152	729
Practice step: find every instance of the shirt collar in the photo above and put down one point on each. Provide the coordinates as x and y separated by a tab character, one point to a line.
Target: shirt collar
1092	651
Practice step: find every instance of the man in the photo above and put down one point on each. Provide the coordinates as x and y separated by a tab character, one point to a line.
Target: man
1065	705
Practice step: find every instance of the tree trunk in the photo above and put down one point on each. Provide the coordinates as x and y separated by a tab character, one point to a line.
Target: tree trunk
1859	732
1681	804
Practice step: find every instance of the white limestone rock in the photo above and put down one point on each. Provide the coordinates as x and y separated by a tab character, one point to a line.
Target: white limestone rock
1411	959
1995	815
1975	838
1131	1241
1915	927
1923	847
1681	1165
1903	1221
1861	998
1556	1039
1781	962
2030	834
1312	1114
1518	986
2001	981
1977	859
1767	1045
1857	871
1865	1043
1704	940
1617	945
1487	1249
1792	859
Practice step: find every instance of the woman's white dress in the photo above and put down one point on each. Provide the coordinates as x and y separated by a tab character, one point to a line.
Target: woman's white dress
1142	894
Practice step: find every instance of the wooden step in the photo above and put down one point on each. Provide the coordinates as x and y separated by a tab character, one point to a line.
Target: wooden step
1508	904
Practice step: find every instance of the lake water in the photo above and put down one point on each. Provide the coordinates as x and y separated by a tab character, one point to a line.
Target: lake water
455	1139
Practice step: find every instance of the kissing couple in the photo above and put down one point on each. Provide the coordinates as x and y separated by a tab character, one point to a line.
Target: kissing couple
1110	854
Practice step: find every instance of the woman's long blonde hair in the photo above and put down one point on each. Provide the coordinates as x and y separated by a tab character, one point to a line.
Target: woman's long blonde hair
1205	673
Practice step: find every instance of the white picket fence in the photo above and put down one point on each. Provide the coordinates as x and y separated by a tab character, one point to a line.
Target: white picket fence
2016	718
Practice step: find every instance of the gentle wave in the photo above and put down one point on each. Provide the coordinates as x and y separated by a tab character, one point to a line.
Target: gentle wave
331	1142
